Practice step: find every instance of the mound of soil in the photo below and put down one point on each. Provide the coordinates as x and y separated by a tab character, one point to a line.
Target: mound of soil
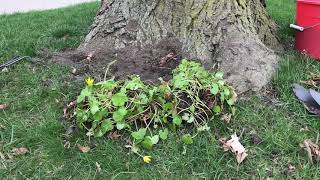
150	62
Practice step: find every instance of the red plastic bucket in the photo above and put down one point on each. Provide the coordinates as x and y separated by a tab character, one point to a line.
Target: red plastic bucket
308	20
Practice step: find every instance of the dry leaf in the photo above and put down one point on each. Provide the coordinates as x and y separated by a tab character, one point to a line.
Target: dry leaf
84	149
74	71
20	151
68	110
167	58
312	149
67	144
305	129
114	135
2	156
5	70
98	166
3	106
89	56
235	146
226	118
291	168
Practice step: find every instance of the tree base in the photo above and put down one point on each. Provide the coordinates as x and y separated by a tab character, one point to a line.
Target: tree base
235	36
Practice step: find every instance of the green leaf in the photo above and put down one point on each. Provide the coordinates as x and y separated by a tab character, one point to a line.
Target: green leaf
177	120
155	139
222	98
164	134
179	81
119	99
191	119
94	105
121	126
139	135
120	114
203	128
134	84
147	143
217	109
84	93
221	82
214	89
97	116
143	98
219	75
94	109
80	99
226	92
192	108
106	126
187	139
230	102
135	148
108	85
168	106
186	116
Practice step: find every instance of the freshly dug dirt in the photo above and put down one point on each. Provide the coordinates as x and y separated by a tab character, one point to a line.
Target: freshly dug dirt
150	63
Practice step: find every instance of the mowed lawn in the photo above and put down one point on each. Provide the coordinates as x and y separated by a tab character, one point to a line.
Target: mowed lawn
38	91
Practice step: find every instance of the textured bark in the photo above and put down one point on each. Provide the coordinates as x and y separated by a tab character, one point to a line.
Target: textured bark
236	36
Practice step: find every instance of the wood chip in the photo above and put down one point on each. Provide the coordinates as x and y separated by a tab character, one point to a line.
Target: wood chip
84	149
20	151
3	106
2	156
98	166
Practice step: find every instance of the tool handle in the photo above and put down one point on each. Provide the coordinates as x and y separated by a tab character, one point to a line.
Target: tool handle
296	27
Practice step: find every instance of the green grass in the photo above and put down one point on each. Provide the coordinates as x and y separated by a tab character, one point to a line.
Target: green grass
38	93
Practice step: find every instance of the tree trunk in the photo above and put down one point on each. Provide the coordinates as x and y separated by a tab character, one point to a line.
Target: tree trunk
236	36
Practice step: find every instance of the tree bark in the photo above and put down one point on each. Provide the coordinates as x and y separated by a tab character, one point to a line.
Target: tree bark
236	36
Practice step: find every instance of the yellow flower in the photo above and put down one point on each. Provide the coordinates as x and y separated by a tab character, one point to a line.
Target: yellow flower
147	159
89	81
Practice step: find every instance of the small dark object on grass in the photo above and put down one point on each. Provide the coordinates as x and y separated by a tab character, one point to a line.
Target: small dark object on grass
309	98
256	139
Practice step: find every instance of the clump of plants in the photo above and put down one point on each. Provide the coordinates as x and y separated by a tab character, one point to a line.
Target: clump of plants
149	113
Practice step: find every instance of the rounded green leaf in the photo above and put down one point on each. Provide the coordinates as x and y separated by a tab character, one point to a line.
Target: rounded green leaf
120	114
226	92
119	99
214	89
177	120
219	75
192	108
155	139
121	126
106	126
147	143
230	102
163	134
217	109
139	135
187	139
191	119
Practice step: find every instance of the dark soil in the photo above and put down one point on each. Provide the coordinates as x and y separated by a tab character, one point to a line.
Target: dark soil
150	62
